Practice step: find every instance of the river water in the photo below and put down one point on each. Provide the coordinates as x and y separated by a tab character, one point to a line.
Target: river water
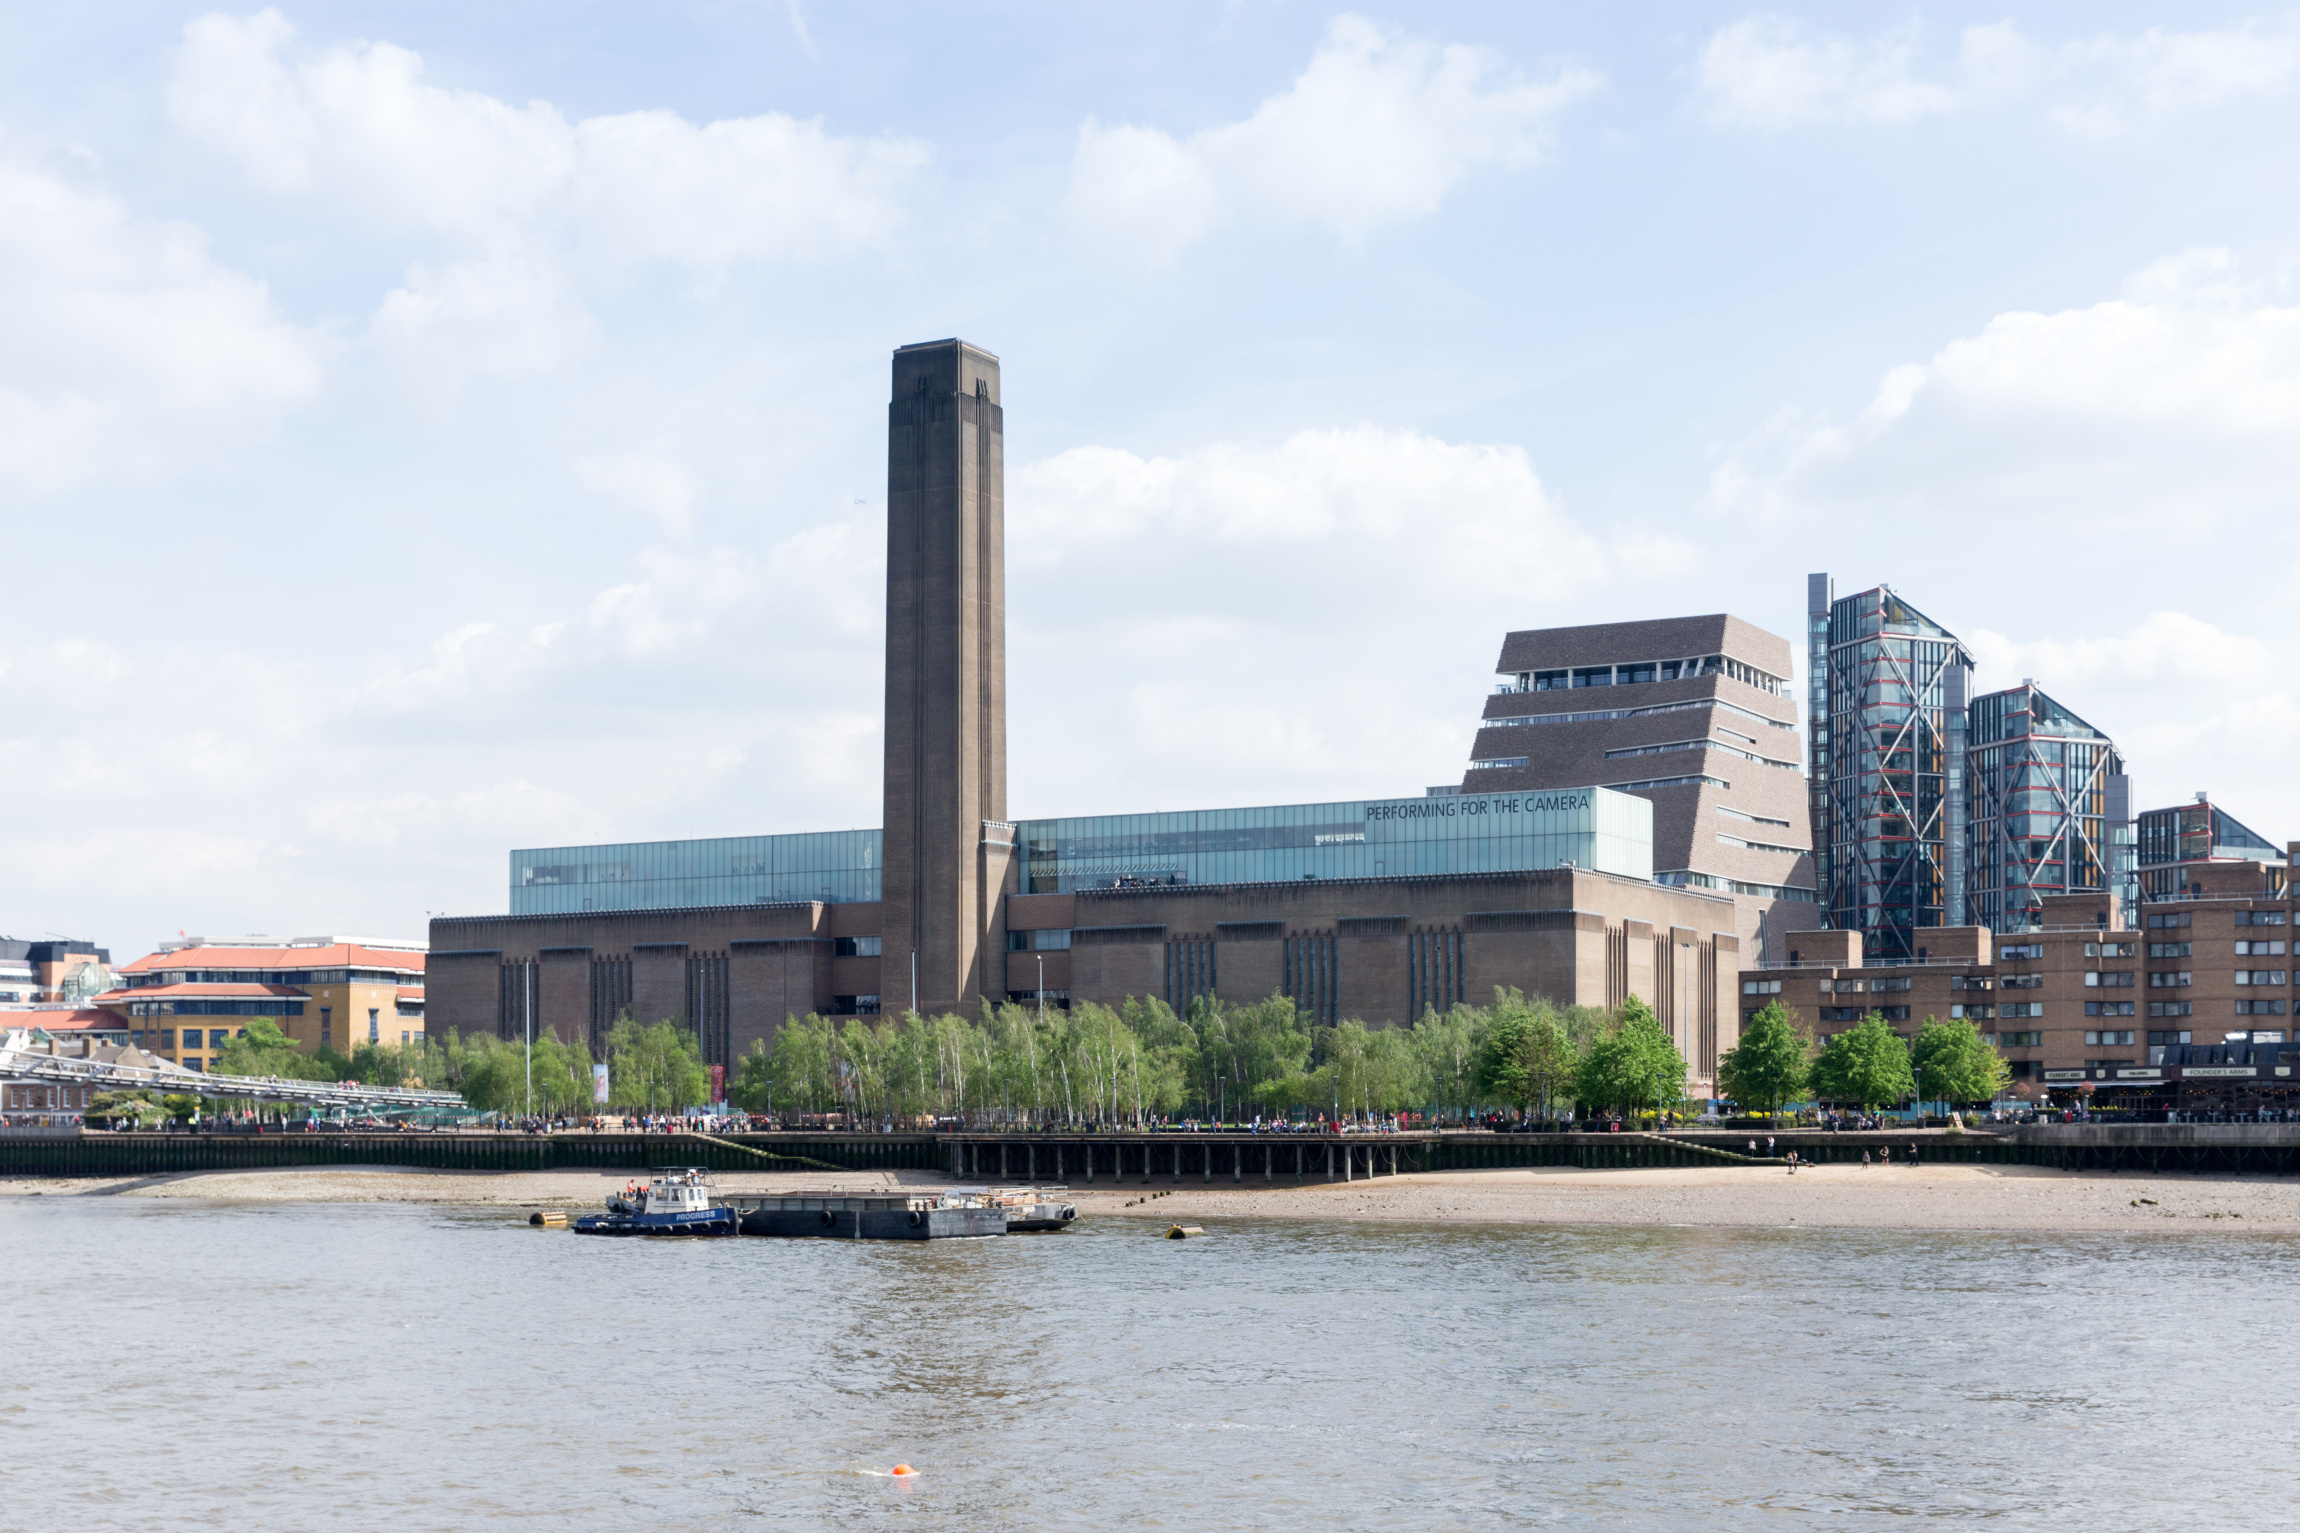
176	1363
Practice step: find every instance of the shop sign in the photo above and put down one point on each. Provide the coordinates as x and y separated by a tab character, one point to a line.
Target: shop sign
2140	1075
2216	1072
2064	1075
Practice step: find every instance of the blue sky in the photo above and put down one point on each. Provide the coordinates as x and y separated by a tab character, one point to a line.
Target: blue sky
425	432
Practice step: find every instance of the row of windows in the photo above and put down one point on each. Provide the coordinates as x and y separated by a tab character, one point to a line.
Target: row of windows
1691	745
1042	941
857	947
395	977
2108	1039
2260	1008
1604	715
2108	979
265	1008
2260	976
216	1037
2108	1008
1640	672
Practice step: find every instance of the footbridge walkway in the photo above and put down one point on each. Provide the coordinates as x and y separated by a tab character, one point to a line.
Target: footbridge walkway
19	1061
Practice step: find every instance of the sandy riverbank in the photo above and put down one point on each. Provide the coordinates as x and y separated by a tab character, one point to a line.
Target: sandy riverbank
1944	1197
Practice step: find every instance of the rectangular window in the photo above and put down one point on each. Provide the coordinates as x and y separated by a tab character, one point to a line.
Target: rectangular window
2168	922
2172	1009
2260	976
2021	1009
2168	949
1760	987
1971	982
374	1032
2108	979
2021	950
2168	980
167	1038
2260	949
1593	676
2107	1040
2108	1008
1549	681
2022	1040
857	947
2260	918
2260	1009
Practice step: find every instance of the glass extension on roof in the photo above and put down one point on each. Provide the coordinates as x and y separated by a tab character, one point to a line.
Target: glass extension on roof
838	867
1359	838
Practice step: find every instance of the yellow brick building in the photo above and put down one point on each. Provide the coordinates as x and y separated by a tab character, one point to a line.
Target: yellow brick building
189	999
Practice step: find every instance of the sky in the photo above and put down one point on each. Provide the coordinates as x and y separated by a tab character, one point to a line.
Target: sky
431	430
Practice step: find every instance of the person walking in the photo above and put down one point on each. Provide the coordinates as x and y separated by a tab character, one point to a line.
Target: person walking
1912	1155
1768	1146
1864	1160
1884	1155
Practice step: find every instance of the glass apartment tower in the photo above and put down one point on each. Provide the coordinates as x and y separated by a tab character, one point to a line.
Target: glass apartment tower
1889	795
2174	842
2051	809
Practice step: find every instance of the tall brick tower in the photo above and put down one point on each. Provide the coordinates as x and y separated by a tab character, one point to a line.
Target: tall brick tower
948	848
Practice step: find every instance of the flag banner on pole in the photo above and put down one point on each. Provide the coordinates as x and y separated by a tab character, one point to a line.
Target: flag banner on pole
718	1084
599	1084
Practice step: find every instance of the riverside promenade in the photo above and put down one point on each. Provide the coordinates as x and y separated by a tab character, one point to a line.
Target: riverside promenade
1088	1158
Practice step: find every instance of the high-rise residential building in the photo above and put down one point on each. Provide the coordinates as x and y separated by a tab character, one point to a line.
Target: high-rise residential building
1889	817
2174	843
1696	714
2051	809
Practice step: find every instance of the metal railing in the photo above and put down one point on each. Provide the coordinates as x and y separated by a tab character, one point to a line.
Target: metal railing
20	1061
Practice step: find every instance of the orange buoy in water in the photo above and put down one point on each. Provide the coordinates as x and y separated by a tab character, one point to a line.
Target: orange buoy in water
903	1469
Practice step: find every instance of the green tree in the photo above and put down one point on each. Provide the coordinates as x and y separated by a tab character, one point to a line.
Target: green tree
654	1068
1868	1065
1769	1065
1527	1055
1955	1064
1451	1047
262	1049
1632	1065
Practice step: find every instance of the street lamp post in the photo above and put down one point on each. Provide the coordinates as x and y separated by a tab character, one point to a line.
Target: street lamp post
1221	1100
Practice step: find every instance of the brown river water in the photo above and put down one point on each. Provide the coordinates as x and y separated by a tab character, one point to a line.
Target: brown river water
282	1366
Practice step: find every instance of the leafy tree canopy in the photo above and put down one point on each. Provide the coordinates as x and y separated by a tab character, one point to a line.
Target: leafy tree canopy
1954	1064
1769	1065
1633	1065
1868	1065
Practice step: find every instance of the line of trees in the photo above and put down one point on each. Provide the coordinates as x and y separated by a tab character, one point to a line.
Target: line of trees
1870	1065
651	1067
1140	1060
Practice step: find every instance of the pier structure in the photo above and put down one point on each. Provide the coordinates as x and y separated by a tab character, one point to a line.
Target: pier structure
1082	1160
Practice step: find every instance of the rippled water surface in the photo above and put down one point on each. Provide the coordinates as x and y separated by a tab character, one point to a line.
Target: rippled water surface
176	1364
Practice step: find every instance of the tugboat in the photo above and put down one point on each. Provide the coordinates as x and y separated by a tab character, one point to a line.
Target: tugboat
674	1203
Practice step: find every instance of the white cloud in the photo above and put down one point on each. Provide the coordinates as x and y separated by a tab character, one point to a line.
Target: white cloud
128	350
2194	706
535	211
1376	130
1767	72
1237	618
2179	399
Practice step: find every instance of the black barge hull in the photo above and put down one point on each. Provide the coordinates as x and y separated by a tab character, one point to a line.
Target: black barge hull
875	1224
